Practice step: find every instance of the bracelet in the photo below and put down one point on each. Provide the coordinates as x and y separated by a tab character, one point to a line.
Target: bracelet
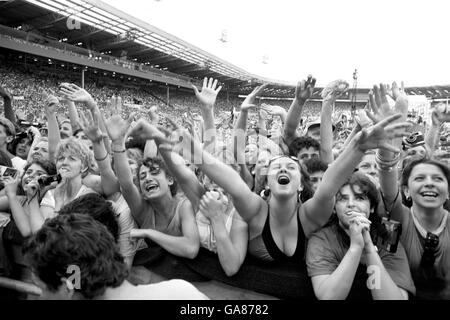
386	164
119	151
98	160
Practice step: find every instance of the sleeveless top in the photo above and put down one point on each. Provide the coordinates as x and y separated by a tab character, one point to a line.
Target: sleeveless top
206	232
174	226
265	248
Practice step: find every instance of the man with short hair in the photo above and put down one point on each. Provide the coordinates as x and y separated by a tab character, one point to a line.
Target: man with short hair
305	148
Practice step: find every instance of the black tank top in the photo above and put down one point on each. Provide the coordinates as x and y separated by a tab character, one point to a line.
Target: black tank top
272	248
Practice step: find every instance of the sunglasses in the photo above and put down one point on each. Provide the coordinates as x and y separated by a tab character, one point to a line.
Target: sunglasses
283	156
430	246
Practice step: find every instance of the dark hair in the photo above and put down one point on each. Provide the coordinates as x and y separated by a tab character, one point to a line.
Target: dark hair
5	160
416	161
368	189
301	143
366	186
98	208
307	192
48	166
315	165
149	162
76	239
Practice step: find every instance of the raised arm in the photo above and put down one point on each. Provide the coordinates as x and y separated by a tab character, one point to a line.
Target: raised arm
247	203
439	115
76	94
54	137
318	209
73	115
303	92
386	159
117	129
89	123
207	98
329	95
240	132
7	104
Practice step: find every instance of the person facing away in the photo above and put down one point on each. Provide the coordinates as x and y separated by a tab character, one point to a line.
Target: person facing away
74	257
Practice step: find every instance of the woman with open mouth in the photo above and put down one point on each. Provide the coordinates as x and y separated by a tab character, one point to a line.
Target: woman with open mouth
163	216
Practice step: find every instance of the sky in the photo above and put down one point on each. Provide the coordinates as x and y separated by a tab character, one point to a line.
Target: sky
384	40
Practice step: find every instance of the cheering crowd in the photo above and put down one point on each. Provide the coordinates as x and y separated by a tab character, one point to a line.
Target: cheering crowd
290	202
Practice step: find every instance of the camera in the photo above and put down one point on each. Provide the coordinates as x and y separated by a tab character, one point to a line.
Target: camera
7	171
389	235
46	181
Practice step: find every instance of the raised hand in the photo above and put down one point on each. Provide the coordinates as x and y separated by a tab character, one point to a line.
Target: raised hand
10	184
5	93
89	123
378	135
380	105
334	90
305	88
249	101
211	205
440	114
74	93
208	95
117	127
147	131
51	102
273	110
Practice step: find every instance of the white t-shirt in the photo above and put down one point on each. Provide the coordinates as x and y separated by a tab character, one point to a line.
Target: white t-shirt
168	290
18	163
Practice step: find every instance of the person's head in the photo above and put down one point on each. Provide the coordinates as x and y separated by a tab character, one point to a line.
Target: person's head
251	153
40	150
155	179
425	183
72	158
313	131
316	168
287	177
72	243
357	195
414	145
65	129
80	135
304	148
21	144
262	163
97	207
369	166
7	132
35	170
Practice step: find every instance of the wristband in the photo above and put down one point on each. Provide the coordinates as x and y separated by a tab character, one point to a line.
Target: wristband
98	160
119	151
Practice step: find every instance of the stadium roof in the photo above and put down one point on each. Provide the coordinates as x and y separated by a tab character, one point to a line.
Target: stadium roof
112	32
109	30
